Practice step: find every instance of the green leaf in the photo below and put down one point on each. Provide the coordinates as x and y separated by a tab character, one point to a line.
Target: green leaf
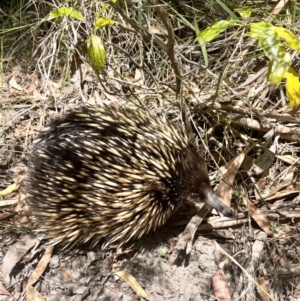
292	41
212	31
103	21
67	12
269	41
293	87
244	12
104	8
164	252
96	53
267	38
279	66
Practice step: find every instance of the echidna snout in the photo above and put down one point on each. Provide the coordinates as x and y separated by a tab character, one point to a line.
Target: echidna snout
212	200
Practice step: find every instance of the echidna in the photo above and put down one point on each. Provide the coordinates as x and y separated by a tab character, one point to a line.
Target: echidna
112	174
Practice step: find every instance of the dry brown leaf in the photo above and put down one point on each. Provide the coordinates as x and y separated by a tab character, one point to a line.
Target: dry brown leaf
5	215
280	5
3	290
127	277
157	30
259	217
33	295
40	268
8	202
220	286
15	253
129	79
289	159
13	83
261	183
138	76
286	179
246	165
282	194
224	190
262	288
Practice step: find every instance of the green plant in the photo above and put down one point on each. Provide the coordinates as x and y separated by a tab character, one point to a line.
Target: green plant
275	42
95	48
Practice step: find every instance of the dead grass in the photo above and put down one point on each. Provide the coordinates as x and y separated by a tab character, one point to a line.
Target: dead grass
154	63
